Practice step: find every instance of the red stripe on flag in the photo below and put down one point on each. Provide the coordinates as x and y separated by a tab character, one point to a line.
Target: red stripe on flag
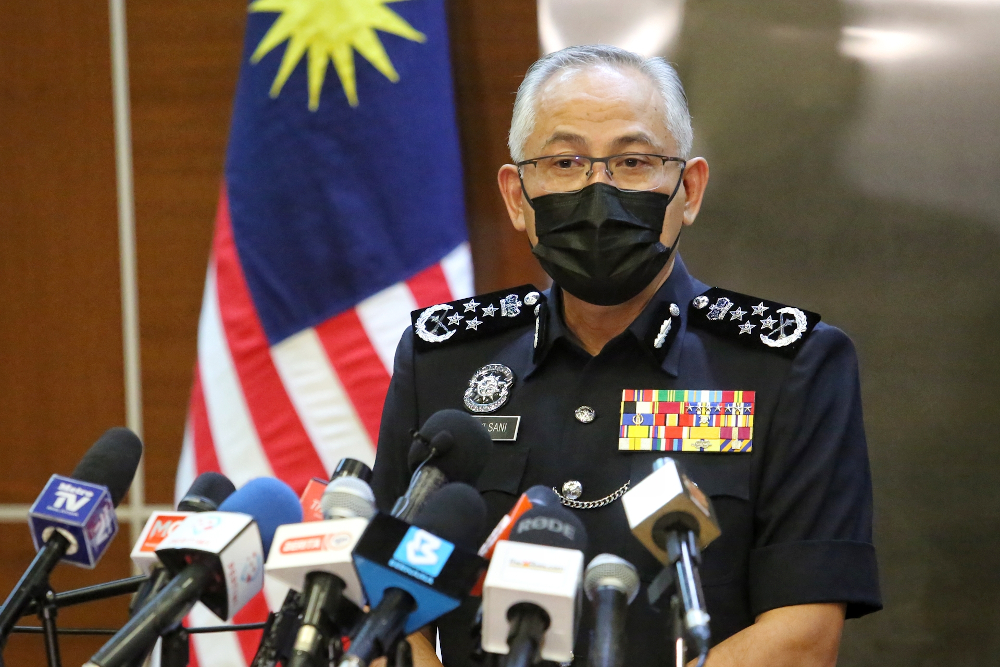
205	459
282	435
430	287
254	611
358	366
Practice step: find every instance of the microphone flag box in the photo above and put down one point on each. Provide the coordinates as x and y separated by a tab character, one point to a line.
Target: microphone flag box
158	527
231	543
438	574
317	546
668	497
312	507
80	511
546	576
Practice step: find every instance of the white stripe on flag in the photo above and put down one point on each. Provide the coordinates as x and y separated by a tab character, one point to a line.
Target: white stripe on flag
214	649
237	445
320	400
187	471
385	317
457	267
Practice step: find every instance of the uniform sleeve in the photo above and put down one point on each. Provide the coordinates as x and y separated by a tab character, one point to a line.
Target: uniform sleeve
391	474
813	515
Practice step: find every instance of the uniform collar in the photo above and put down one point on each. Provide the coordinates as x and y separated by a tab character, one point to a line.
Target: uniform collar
657	328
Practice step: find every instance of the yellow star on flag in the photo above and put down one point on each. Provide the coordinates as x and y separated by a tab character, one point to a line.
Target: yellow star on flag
330	30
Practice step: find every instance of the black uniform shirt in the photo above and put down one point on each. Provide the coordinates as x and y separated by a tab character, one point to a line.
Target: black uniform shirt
795	511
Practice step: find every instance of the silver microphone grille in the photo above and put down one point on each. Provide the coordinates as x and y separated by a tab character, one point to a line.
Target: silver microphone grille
347	497
610	570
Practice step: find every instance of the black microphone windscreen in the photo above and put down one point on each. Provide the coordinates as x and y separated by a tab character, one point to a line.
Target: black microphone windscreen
111	462
352	468
463	444
455	512
211	486
551	526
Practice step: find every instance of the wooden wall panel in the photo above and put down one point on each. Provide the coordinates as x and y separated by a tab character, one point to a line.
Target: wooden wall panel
492	45
60	333
184	60
25	650
60	337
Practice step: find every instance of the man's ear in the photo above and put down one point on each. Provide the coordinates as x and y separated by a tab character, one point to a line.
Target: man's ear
695	180
513	196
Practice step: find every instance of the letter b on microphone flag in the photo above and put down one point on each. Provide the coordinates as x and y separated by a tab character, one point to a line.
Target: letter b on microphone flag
341	211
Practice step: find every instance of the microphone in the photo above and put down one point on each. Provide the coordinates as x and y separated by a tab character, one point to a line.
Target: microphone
537	496
315	558
673	519
74	519
205	495
207	492
531	594
310	499
611	584
217	559
412	575
451	446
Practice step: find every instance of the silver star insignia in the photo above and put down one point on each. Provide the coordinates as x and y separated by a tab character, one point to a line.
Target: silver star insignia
471	305
768	322
759	309
454	319
737	314
745	328
489	310
472	324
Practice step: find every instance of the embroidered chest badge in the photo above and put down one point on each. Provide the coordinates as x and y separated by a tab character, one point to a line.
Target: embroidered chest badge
686	420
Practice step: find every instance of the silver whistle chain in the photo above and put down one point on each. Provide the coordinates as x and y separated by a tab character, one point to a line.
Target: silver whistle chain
592	504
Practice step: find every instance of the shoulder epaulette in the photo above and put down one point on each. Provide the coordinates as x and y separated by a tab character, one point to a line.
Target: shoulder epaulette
475	318
752	321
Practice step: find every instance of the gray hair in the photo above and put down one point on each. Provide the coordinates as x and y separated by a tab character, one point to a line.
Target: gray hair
576	58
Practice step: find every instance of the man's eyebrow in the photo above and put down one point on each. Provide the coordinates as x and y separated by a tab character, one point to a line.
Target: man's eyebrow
618	144
567	137
634	138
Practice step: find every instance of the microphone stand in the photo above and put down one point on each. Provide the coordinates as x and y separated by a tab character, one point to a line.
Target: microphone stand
47	612
677	625
174	649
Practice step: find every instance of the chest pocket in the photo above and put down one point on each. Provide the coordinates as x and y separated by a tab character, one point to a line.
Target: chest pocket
725	478
500	481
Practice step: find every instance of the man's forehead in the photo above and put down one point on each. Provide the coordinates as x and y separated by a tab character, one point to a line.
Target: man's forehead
600	104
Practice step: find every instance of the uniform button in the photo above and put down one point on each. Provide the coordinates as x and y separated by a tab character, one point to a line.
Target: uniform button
585	414
572	489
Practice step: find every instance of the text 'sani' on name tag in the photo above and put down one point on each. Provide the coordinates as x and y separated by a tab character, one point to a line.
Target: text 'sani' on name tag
500	428
687	420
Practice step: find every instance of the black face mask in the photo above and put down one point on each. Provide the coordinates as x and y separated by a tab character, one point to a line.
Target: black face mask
602	245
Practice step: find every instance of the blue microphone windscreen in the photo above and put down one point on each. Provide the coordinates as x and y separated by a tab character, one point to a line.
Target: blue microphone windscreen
552	527
270	502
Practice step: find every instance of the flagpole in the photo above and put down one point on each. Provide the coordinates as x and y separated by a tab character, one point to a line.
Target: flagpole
127	253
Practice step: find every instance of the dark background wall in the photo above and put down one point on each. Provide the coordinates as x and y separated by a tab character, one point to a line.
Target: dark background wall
841	182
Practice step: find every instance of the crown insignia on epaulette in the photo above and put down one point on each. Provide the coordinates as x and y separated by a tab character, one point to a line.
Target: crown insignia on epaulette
752	321
481	315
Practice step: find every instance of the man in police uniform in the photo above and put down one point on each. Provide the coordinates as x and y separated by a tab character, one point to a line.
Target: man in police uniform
629	358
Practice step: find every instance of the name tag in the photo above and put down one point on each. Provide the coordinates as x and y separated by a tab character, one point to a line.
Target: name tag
500	428
686	420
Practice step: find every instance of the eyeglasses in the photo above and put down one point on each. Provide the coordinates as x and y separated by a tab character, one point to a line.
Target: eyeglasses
629	171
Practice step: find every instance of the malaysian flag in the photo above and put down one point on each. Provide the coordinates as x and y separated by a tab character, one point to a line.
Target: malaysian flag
340	212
